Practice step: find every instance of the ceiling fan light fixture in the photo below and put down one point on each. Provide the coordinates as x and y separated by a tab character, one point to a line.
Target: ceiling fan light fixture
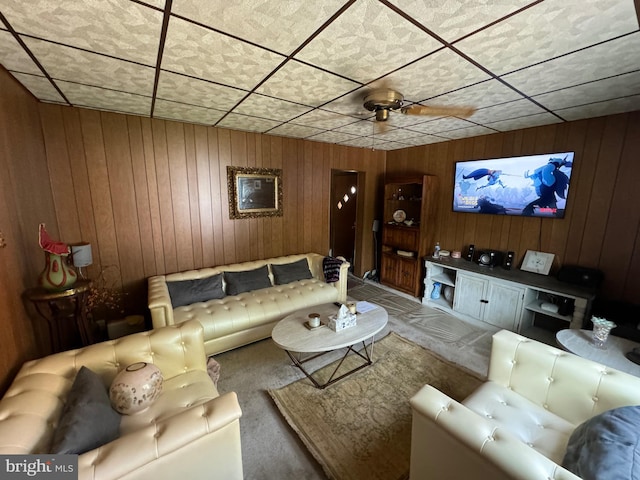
381	101
382	115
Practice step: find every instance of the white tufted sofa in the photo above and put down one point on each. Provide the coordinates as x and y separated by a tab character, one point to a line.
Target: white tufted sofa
237	320
189	432
518	423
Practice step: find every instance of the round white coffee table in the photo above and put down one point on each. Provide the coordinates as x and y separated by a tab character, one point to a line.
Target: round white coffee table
613	355
296	339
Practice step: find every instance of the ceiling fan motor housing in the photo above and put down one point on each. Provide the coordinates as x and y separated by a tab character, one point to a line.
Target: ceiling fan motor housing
381	101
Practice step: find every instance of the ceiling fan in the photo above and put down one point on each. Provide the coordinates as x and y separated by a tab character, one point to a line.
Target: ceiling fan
384	100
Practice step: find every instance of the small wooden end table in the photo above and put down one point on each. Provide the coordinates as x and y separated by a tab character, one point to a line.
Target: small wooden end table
64	305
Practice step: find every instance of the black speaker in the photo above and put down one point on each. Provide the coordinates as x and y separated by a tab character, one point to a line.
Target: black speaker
470	251
508	261
585	277
489	258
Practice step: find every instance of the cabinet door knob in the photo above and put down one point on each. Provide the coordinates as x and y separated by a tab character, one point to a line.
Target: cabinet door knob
484	301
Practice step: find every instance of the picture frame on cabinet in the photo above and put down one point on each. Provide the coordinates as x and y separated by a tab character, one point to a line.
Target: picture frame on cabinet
537	262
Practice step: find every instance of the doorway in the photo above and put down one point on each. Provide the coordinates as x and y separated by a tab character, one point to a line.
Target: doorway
344	196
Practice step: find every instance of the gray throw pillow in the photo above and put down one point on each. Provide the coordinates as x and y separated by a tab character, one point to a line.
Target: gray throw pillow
606	446
246	281
186	292
291	272
87	419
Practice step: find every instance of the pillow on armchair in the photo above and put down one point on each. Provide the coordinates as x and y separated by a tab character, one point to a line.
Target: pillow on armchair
606	446
87	419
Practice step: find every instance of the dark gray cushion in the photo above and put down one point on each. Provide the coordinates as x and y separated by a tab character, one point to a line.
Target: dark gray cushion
186	292
606	446
87	419
246	281
291	272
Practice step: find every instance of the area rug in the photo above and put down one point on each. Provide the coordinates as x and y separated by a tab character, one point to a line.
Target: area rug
360	427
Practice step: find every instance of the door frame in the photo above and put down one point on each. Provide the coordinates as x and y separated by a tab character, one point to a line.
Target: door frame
359	231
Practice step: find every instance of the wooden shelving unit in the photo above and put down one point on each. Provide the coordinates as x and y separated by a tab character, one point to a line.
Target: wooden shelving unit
404	243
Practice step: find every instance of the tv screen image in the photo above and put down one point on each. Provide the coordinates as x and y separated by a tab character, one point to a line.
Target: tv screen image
533	185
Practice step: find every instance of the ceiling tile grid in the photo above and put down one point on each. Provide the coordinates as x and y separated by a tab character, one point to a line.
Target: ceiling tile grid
302	69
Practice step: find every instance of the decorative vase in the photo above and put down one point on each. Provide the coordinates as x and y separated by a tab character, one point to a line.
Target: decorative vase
435	293
135	388
601	329
57	274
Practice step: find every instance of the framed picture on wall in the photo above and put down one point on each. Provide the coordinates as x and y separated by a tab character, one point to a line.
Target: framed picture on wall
254	192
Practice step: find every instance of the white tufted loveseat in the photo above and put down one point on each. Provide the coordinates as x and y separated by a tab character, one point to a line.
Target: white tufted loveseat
189	432
237	320
518	423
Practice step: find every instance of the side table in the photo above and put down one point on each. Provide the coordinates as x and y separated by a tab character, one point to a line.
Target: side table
60	306
613	355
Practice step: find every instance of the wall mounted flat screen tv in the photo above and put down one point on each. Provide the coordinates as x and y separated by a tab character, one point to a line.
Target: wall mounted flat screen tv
533	185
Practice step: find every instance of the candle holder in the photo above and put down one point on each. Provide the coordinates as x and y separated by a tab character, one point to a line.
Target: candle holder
601	329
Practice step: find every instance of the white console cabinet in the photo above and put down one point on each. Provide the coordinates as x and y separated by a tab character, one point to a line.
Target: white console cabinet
510	299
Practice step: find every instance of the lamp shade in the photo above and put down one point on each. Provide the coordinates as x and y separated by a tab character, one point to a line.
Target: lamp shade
81	255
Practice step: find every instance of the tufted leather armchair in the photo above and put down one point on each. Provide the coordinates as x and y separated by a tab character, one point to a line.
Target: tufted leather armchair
518	423
189	432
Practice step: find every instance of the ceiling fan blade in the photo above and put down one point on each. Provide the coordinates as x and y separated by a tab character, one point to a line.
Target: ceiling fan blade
463	112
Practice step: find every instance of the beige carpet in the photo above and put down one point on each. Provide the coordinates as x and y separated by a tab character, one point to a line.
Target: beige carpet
360	427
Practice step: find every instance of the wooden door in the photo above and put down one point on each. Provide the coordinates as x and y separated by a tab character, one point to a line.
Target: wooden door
344	191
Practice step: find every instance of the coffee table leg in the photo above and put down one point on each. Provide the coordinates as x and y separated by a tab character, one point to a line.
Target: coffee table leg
367	357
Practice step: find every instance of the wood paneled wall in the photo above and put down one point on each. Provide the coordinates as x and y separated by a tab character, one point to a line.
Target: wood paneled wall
601	228
151	195
25	201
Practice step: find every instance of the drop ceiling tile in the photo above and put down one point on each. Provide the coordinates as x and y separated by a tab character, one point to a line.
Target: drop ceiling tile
549	29
278	25
332	137
156	3
396	134
610	58
268	107
439	125
611	107
202	53
484	94
388	146
600	90
358	127
350	104
366	41
454	19
524	122
362	142
298	131
439	73
399	120
301	83
120	28
65	63
13	57
186	113
103	99
180	88
468	132
247	123
39	86
423	139
323	119
505	111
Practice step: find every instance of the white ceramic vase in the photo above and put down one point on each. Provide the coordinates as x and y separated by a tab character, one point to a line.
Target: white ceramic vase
135	388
